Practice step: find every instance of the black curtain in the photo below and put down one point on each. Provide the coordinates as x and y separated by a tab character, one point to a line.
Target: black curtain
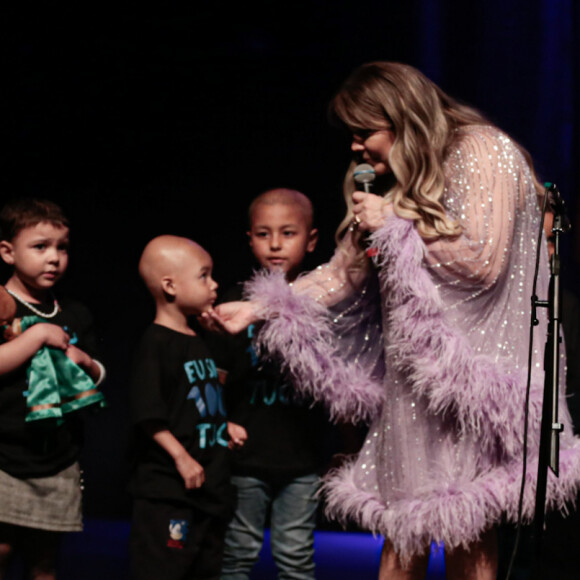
147	122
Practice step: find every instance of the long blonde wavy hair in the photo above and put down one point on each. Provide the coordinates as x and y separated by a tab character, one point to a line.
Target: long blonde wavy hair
423	119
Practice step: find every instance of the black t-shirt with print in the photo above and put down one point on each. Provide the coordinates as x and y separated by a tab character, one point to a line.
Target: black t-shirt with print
175	383
286	433
40	448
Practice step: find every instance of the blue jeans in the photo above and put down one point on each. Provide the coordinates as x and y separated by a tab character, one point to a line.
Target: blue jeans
292	522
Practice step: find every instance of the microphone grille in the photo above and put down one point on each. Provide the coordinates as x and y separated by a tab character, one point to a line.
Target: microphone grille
364	173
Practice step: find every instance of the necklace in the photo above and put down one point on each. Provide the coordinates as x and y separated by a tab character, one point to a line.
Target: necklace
33	308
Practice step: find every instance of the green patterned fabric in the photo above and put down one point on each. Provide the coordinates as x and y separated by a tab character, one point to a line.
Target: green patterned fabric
56	385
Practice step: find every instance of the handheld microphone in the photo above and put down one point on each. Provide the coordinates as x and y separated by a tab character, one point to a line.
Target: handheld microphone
364	174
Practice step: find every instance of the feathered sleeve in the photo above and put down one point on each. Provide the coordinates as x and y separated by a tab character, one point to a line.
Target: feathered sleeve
301	332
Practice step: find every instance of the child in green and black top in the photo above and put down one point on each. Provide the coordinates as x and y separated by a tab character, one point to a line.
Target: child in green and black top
40	481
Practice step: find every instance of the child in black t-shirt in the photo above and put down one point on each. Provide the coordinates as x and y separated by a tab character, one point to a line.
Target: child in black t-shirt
180	477
47	371
277	470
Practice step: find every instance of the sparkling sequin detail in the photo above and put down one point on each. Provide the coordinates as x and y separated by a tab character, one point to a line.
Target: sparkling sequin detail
483	279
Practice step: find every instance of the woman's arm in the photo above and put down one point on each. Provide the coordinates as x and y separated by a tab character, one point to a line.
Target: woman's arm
327	285
339	278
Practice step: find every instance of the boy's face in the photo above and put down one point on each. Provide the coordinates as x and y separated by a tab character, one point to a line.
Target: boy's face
195	289
280	237
39	255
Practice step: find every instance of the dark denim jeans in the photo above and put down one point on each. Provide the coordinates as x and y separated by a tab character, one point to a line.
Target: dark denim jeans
293	517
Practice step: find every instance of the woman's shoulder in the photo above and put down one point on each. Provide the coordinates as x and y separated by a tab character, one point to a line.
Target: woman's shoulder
484	144
487	136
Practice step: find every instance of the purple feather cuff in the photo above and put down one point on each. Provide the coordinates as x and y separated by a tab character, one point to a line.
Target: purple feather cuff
298	331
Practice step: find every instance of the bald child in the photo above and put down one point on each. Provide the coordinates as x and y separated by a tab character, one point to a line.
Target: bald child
179	477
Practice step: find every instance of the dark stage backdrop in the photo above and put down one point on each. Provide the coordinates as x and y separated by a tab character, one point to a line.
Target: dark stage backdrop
143	123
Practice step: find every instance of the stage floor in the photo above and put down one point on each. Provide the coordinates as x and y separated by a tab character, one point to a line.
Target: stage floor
101	552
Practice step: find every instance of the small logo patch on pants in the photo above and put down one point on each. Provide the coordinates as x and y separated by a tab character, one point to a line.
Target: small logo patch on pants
178	530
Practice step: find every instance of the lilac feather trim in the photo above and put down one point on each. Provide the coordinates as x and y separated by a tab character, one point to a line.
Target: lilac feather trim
456	513
481	396
297	330
484	396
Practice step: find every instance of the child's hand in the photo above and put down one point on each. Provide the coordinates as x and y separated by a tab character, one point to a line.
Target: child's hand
78	356
190	470
234	316
238	435
50	335
19	350
86	362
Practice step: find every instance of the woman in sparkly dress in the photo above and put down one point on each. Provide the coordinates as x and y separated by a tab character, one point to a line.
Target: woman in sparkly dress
452	228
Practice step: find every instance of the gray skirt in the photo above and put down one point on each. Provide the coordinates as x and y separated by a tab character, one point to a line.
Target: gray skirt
45	503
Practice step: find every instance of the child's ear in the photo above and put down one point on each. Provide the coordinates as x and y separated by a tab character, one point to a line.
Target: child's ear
168	286
312	239
6	252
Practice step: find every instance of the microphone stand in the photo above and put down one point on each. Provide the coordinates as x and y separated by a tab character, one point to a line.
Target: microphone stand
551	427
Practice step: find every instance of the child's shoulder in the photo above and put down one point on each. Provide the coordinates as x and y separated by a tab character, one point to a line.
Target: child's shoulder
155	333
60	310
167	339
75	307
154	343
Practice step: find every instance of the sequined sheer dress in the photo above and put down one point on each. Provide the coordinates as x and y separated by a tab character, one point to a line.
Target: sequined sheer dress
439	359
